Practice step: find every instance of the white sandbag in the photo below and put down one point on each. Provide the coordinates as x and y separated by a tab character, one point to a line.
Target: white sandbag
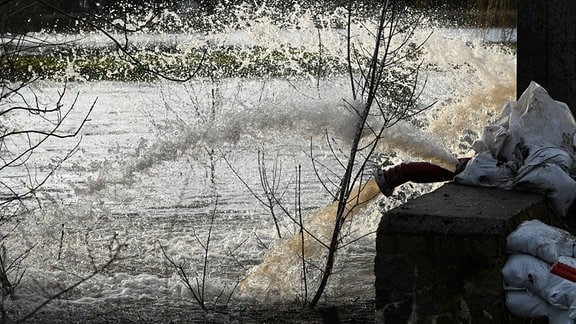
538	119
526	271
546	170
523	303
551	180
540	155
498	140
541	240
485	171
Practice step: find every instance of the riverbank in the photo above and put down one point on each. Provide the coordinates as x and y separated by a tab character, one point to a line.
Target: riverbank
146	311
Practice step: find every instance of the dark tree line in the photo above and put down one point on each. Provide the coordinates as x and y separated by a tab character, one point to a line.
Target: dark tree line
18	16
33	15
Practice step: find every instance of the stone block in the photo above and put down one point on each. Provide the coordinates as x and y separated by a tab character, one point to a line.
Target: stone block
439	257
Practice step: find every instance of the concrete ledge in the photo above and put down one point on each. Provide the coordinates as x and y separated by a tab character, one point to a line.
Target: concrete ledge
439	257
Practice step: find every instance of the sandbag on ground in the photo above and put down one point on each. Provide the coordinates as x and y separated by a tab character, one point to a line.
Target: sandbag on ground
541	240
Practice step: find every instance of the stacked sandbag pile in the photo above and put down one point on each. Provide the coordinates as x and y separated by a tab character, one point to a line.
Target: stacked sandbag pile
531	148
536	274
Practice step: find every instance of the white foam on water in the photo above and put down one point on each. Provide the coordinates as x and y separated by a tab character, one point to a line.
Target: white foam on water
150	170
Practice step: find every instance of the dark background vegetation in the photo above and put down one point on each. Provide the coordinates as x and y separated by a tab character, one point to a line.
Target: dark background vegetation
18	16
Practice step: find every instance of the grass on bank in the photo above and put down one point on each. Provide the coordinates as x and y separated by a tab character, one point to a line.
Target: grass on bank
77	64
147	66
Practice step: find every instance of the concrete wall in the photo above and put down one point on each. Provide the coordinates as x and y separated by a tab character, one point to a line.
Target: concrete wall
547	48
439	257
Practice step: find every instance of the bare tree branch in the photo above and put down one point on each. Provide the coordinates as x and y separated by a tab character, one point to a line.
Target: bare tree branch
98	269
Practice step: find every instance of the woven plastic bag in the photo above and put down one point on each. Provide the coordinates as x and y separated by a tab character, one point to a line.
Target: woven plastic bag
523	303
526	271
541	240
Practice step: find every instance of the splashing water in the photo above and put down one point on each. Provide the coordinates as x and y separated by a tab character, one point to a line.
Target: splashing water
151	165
485	82
279	272
275	276
418	144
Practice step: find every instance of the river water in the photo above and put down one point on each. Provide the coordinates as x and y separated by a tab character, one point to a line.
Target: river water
163	169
